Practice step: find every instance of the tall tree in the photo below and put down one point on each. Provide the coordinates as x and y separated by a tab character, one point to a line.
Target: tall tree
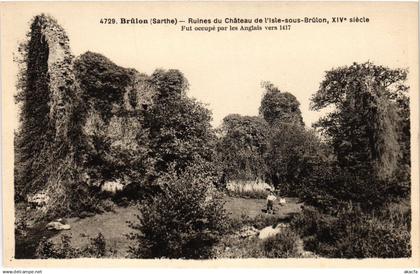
293	156
280	107
242	147
180	130
364	127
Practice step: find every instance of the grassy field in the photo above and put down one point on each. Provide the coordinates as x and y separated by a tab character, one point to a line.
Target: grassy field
238	207
114	226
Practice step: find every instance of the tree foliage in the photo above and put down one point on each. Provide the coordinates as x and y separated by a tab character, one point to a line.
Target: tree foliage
244	142
184	220
368	127
353	233
103	83
294	157
179	127
280	107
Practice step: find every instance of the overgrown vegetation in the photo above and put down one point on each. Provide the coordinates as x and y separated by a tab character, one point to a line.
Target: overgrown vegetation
367	127
242	147
237	243
283	245
184	220
352	191
86	122
49	130
355	234
96	248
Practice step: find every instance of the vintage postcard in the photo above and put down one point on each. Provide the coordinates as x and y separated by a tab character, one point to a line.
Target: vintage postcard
210	134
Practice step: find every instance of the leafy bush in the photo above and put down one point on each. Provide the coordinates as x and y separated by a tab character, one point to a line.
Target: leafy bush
314	227
355	234
96	248
63	250
283	245
232	246
386	235
184	220
47	249
21	227
330	188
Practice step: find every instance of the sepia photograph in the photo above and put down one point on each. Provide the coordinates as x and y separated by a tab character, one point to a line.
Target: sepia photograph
210	132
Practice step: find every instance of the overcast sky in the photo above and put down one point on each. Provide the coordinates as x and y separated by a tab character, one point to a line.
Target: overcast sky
225	69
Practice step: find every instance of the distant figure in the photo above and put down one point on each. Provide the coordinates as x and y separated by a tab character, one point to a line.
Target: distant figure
270	202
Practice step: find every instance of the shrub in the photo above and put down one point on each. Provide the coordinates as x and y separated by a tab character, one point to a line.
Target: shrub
63	250
21	227
96	248
386	235
232	246
47	249
330	188
184	220
355	234
310	220
283	245
107	205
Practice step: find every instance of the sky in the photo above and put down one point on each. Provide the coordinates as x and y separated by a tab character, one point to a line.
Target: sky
225	70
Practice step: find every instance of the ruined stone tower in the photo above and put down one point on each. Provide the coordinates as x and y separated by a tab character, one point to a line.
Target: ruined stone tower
78	116
48	97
